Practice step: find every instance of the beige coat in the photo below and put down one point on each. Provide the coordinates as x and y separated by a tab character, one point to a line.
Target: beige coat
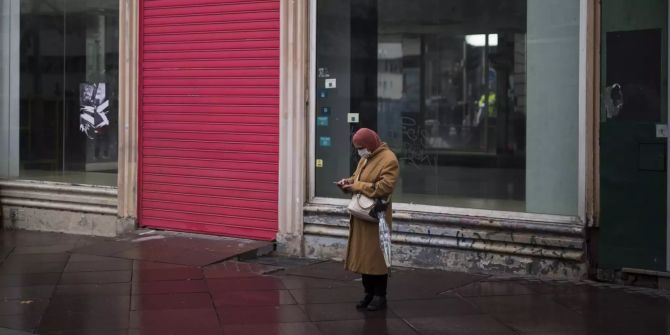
378	176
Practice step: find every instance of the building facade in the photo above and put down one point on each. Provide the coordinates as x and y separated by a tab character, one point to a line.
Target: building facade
531	135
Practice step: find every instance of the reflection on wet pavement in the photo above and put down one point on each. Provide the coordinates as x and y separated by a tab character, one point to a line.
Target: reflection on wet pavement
174	284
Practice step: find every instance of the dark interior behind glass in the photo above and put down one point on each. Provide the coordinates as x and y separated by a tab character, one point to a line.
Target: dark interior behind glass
443	82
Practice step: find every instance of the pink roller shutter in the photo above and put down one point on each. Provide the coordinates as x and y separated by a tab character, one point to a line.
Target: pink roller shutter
209	116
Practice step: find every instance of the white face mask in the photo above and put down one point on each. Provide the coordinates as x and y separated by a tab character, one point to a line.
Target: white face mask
364	153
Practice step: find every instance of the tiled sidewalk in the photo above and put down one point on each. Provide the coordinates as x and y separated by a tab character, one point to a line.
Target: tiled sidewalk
175	284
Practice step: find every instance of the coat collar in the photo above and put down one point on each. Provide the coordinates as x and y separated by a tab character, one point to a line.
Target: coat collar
381	148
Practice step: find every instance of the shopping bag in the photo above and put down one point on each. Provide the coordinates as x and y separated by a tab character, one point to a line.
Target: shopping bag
385	238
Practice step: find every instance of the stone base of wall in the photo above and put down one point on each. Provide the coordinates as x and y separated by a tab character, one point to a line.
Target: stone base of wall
479	245
334	248
58	221
289	245
635	277
63	208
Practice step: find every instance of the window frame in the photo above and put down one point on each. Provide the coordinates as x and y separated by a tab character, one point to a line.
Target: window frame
582	149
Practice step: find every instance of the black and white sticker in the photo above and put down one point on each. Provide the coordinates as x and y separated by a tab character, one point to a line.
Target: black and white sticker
94	107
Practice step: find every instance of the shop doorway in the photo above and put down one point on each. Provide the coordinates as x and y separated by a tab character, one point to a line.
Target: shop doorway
633	136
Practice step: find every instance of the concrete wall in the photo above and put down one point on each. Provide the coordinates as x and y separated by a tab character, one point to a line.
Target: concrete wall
293	137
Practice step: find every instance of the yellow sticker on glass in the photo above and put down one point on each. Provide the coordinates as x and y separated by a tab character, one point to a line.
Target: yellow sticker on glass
319	163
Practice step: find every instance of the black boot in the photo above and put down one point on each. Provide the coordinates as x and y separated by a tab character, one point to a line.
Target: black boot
365	301
377	303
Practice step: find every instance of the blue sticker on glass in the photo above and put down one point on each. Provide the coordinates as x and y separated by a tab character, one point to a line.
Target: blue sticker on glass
325	110
324	141
322	121
323	94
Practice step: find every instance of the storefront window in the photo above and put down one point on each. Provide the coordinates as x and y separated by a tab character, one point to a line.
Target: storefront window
479	99
67	104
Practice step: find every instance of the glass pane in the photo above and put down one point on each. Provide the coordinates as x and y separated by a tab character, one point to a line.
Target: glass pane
69	84
445	84
41	94
91	90
552	118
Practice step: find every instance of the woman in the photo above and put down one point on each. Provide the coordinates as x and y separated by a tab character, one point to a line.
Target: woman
375	177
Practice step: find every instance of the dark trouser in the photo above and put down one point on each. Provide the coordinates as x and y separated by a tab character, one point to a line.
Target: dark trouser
375	284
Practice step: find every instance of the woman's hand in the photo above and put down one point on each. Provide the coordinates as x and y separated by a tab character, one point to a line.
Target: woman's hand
344	184
348	185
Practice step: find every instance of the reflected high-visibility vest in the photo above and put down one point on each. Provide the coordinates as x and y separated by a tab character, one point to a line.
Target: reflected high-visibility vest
491	103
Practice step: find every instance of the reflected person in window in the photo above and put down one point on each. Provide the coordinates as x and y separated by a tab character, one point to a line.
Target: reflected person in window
375	177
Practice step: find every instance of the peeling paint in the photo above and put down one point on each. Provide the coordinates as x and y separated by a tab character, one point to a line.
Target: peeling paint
548	250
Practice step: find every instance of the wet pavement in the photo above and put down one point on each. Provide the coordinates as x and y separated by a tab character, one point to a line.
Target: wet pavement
180	284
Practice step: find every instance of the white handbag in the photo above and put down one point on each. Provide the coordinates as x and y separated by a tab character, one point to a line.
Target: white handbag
360	207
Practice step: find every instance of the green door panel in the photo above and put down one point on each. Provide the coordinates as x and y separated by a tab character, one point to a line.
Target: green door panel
633	171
